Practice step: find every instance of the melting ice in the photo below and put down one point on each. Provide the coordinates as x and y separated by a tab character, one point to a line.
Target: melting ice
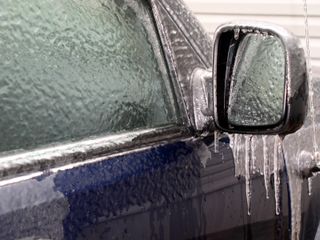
246	148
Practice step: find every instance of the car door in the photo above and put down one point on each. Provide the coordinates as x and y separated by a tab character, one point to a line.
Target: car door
96	129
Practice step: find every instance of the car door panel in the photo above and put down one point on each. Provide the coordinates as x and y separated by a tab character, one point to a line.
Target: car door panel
181	190
99	192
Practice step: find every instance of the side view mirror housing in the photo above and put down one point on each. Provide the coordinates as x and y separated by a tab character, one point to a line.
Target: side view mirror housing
260	79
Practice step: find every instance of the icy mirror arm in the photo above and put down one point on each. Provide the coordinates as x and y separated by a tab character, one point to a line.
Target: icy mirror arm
201	83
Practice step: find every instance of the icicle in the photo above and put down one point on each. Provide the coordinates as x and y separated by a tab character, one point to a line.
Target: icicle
238	149
216	142
247	173
253	153
236	155
241	154
296	212
295	185
311	81
236	33
310	186
276	172
266	167
231	144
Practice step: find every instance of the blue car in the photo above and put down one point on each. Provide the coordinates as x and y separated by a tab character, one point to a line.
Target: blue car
121	119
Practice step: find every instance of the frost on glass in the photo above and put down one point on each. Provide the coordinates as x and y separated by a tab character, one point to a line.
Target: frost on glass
72	68
257	82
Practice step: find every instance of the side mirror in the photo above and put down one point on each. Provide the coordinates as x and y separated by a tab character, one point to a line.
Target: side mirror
260	79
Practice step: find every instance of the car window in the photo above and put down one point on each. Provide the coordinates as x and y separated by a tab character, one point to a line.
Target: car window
71	69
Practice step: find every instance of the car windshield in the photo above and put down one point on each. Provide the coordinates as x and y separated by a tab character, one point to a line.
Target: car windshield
72	69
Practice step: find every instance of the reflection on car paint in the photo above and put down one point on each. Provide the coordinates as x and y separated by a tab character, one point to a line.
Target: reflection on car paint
152	193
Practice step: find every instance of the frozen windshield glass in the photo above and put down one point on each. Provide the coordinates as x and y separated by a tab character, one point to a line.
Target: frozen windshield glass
71	69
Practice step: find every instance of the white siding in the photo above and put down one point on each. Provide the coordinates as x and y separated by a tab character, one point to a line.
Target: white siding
288	13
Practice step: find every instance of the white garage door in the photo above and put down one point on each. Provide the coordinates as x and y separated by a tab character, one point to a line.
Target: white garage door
288	13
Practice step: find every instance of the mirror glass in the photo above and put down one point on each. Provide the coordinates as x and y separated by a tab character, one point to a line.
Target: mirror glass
257	82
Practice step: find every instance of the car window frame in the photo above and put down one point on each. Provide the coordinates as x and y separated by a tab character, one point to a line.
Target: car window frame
19	164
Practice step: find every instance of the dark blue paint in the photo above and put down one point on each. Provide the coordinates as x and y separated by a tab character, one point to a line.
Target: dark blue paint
98	191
